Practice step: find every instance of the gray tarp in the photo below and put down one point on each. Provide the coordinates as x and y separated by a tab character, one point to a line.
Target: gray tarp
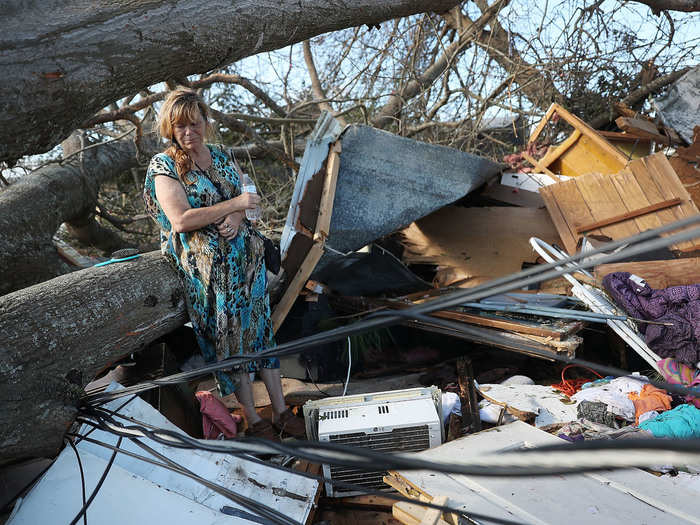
679	108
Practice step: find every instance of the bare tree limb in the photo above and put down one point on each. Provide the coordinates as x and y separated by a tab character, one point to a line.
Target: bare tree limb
637	95
387	114
236	125
316	87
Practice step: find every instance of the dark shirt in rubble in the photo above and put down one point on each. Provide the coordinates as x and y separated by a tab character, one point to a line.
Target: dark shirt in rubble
678	305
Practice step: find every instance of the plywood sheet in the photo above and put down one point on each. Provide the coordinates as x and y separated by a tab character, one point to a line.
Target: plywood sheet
476	244
596	197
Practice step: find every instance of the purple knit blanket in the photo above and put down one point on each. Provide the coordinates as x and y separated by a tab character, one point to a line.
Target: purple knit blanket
678	305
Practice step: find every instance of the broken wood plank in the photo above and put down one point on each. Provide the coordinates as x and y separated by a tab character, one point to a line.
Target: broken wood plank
467	396
325	212
568	237
657	274
548	115
628	215
433	516
413	514
296	285
642	128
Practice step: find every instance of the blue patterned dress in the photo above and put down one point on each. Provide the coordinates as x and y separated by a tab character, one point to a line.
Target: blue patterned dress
224	281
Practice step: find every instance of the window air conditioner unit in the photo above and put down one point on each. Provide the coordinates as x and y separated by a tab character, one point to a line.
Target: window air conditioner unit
396	421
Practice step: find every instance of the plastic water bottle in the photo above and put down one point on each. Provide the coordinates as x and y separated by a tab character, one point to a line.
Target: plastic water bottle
248	186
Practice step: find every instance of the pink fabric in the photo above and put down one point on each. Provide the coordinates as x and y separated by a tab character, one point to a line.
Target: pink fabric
681	374
216	419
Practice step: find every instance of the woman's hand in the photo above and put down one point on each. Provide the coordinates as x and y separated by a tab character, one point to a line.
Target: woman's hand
247	201
228	227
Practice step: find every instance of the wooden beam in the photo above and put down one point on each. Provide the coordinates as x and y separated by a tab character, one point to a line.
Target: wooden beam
323	223
296	285
539	166
315	253
628	215
434	516
642	128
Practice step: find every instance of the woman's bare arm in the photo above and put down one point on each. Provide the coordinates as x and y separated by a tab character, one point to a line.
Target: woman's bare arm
184	218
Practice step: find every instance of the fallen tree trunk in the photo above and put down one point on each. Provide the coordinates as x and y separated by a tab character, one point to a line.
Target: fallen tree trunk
64	61
57	335
32	209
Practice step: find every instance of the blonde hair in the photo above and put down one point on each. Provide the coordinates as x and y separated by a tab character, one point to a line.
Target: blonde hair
182	106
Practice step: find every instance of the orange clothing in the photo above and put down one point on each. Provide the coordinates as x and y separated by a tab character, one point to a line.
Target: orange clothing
650	398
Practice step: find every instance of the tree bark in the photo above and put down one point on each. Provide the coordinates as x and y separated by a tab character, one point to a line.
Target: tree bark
63	61
688	6
59	334
32	209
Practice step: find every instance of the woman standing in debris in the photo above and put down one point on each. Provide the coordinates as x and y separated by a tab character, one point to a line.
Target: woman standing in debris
193	192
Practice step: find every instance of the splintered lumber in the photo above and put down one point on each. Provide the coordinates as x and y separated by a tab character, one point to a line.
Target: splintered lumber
583	151
637	198
657	274
57	335
643	129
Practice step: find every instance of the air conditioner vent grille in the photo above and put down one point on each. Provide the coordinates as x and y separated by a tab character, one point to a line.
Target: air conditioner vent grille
334	414
408	439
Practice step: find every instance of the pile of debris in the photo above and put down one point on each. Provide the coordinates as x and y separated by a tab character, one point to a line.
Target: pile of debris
483	281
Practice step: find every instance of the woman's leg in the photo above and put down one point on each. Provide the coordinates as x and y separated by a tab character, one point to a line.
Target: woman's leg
244	394
273	382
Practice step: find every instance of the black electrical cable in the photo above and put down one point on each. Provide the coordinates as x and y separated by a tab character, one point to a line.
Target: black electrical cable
82	476
256	507
501	285
114	412
372	460
97	487
471	516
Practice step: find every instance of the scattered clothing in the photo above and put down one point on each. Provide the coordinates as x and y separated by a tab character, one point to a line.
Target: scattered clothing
677	305
683	422
584	430
614	395
650	398
677	373
217	421
597	412
647	416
